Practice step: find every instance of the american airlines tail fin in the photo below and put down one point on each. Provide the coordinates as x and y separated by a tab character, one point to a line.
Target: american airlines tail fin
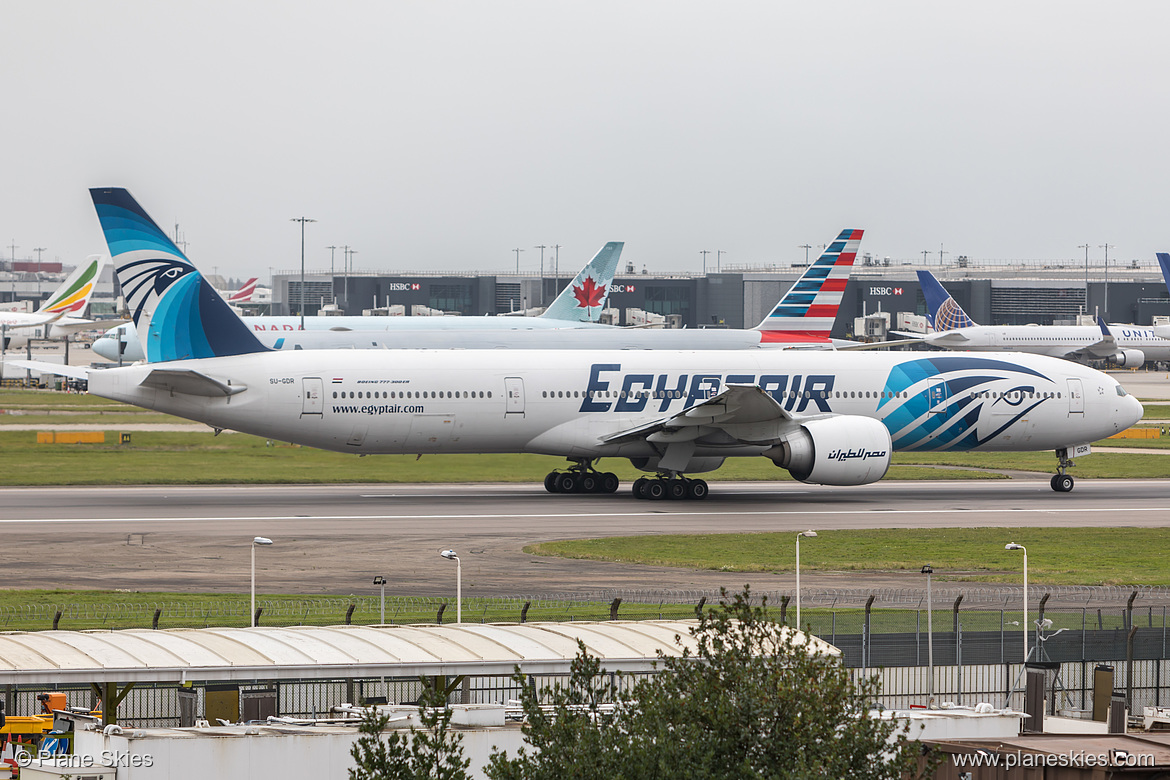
808	310
72	297
177	313
945	313
245	293
584	299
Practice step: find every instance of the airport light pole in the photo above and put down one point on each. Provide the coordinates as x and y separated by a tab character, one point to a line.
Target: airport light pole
704	253
1086	248
517	250
719	253
1024	624
1106	247
802	533
929	570
380	580
332	297
259	540
451	556
302	220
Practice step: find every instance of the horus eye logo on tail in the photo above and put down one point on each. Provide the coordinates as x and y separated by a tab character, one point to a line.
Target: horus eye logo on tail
177	313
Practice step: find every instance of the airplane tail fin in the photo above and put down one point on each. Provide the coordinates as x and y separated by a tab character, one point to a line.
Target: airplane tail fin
72	297
245	293
809	309
1164	261
177	313
945	313
584	299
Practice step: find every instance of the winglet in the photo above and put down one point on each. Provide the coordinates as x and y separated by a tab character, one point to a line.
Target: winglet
177	313
945	312
584	299
809	308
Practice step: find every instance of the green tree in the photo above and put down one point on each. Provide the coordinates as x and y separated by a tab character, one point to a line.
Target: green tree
433	752
749	702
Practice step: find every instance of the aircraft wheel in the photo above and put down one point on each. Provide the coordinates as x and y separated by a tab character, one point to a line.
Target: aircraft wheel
1062	483
587	483
609	482
566	483
676	489
639	487
697	490
655	489
550	482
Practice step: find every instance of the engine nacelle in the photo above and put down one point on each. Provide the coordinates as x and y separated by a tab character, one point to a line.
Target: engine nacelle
1129	358
845	450
694	465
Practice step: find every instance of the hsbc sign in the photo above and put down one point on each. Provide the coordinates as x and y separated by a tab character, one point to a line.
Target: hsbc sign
402	286
618	288
885	290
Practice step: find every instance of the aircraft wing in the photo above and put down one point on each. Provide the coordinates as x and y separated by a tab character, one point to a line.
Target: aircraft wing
190	382
740	413
73	372
1105	347
35	320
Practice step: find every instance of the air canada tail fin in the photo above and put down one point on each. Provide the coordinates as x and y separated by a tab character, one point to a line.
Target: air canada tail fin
73	295
178	315
945	313
809	309
584	299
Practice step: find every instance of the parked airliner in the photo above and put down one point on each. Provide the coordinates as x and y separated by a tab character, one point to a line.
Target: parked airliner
1124	346
54	318
577	306
827	417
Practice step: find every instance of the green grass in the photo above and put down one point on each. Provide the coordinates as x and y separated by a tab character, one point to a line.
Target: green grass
1155	411
1059	556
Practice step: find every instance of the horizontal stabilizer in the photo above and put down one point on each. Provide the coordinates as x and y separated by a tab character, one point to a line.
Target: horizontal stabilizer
57	369
190	382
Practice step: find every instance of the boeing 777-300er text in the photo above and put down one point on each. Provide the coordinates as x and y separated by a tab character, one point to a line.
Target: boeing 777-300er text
802	319
828	417
53	319
577	306
1124	346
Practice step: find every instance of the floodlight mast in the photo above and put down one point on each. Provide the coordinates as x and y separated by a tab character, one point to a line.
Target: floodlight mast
810	534
451	556
1024	622
259	540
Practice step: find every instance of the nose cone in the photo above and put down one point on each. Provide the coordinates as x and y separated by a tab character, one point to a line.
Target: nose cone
1132	410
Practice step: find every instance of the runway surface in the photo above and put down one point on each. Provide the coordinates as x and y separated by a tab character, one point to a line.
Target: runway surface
334	539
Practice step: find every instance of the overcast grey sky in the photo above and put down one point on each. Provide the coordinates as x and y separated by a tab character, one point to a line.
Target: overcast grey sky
441	135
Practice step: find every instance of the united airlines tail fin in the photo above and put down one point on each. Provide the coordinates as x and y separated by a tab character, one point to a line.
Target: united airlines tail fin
809	309
584	299
72	297
945	313
1164	261
177	313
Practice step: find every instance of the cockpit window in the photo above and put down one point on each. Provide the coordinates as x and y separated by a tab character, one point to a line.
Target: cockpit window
1121	391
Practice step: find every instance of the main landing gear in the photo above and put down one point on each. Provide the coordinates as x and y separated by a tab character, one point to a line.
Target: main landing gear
581	478
1061	482
676	488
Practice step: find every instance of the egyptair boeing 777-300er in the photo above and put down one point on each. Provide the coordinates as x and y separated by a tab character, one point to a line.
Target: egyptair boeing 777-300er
828	417
1124	346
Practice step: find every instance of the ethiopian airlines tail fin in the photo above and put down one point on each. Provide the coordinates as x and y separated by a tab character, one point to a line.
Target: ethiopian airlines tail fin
245	293
945	313
177	313
72	297
809	309
584	299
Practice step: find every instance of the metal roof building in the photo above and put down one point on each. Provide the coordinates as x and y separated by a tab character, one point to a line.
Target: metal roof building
310	652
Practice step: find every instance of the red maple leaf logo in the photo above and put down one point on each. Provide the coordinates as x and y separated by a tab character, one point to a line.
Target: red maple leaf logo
588	294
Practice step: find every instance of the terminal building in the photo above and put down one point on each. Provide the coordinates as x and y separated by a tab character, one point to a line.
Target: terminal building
1016	293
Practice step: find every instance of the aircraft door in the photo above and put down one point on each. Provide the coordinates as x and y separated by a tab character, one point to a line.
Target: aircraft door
1076	397
936	396
313	393
514	395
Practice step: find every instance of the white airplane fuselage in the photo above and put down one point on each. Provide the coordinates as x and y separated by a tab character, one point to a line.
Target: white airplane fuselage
1053	340
566	403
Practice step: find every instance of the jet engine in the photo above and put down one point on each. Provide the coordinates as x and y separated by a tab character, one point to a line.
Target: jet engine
844	450
1129	358
694	465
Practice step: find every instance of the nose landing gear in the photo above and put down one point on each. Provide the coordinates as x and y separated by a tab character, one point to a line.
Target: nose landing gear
1061	482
